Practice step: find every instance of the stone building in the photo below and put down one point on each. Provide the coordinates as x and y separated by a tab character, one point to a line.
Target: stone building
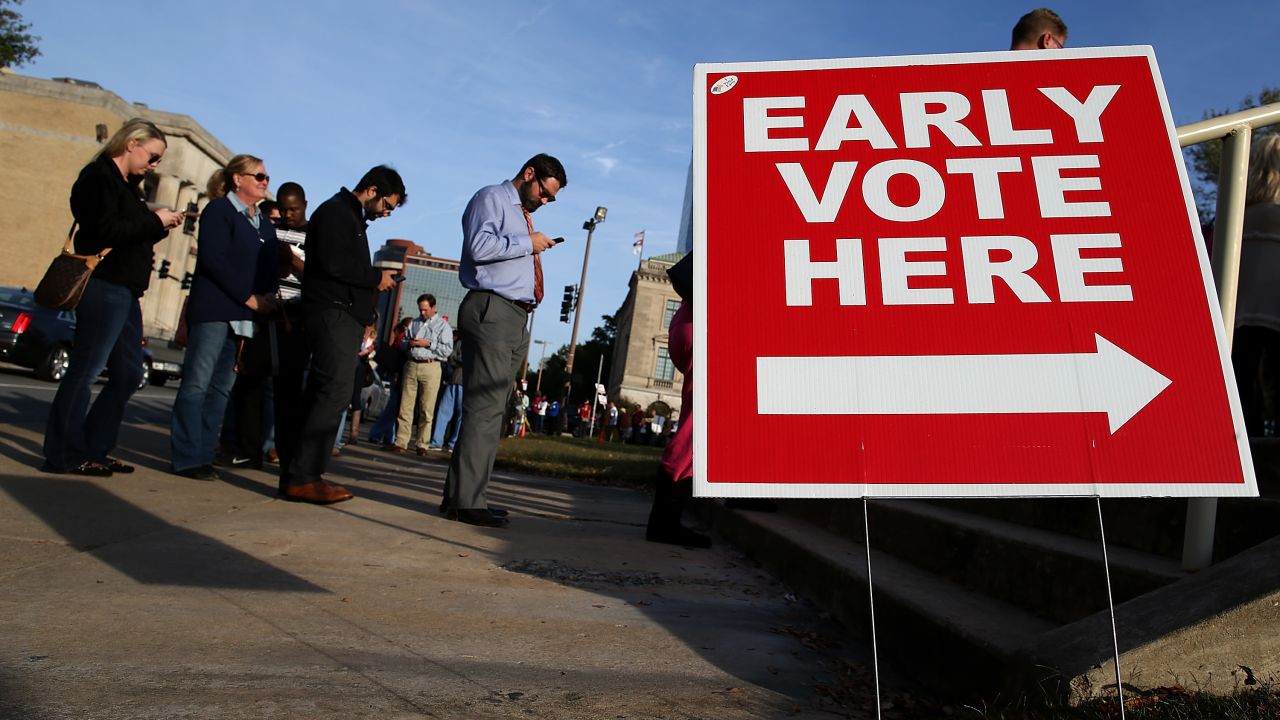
642	370
49	130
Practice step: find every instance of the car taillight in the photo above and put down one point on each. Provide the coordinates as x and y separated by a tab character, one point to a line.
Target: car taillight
21	323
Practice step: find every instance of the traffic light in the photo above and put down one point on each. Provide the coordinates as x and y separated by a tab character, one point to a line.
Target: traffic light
566	305
163	272
186	281
189	222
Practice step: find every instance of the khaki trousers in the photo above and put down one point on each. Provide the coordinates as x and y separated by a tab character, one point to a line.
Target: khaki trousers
419	385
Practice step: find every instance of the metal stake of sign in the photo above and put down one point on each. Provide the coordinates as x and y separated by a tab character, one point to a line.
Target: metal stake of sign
1111	606
871	603
1228	226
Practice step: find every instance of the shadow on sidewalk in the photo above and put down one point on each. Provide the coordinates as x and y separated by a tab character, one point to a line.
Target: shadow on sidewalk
92	519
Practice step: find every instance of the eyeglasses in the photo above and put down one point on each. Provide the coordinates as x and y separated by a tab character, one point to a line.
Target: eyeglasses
153	159
260	177
386	205
548	197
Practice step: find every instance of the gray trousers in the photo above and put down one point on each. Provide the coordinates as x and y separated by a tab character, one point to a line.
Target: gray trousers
495	342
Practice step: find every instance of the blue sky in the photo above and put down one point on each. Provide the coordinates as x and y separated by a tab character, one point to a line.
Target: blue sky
456	95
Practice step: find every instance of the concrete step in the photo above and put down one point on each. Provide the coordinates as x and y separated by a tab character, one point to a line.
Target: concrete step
1018	564
928	627
1057	577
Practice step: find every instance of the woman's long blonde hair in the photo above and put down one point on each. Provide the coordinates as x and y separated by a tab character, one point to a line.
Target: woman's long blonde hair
133	129
221	182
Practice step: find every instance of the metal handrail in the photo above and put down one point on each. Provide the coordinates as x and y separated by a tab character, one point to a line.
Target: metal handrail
1235	130
1220	126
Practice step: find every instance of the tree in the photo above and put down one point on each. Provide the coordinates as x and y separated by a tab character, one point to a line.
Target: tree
1206	158
17	46
586	361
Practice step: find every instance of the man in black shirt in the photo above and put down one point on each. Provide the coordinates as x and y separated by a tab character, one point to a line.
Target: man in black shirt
339	288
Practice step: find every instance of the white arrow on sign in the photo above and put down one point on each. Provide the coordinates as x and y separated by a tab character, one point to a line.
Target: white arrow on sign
1109	380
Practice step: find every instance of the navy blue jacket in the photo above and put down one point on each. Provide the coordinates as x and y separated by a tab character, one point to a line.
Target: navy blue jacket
233	261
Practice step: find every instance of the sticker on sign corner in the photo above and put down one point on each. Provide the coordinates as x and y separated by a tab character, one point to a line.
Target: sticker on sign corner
724	84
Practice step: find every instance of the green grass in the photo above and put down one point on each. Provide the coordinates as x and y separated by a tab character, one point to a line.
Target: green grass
581	459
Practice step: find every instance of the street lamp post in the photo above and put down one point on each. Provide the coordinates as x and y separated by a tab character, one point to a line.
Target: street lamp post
590	227
542	360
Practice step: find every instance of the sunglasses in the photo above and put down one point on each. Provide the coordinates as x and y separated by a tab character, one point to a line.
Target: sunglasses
548	197
260	177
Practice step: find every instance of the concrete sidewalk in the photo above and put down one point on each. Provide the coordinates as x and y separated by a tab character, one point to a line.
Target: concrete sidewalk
154	596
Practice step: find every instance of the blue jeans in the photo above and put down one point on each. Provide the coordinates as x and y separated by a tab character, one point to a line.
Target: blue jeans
108	334
207	374
450	407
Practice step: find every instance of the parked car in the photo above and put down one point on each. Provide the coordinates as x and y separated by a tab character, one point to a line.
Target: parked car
374	398
36	337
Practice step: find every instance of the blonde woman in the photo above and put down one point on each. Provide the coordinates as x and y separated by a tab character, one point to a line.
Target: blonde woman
108	207
235	280
1255	351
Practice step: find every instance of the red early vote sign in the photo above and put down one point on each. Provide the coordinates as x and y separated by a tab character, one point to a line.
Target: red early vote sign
953	275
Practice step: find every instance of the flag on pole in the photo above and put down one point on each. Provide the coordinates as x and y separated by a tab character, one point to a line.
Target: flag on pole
638	246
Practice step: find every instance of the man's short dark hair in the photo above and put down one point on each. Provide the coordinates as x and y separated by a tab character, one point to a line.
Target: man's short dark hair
431	299
544	166
291	188
386	181
1036	23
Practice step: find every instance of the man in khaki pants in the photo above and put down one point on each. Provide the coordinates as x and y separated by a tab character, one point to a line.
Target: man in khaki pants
427	343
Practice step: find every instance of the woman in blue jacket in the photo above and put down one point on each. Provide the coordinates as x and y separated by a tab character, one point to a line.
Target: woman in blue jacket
235	280
111	215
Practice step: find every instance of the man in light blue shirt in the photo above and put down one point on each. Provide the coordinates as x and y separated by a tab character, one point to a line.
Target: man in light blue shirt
428	342
501	266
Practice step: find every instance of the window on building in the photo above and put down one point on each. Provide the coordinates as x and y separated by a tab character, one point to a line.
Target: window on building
669	312
665	371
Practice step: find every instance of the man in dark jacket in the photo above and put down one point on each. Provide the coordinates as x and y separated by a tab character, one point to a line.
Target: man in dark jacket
339	289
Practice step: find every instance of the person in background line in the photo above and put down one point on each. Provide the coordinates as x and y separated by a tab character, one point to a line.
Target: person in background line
107	205
1255	350
450	402
624	424
611	422
339	289
502	269
284	391
428	343
363	378
553	417
639	425
235	279
674	483
1040	29
270	210
391	360
540	415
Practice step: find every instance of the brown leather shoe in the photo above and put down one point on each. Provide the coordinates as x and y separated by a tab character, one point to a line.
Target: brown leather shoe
422	452
317	492
393	449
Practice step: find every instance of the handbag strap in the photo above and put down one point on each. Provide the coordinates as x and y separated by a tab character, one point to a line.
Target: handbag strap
67	248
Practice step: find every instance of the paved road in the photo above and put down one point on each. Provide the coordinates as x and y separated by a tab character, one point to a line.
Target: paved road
154	596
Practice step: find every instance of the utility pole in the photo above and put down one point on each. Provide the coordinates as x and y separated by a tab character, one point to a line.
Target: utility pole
542	360
590	227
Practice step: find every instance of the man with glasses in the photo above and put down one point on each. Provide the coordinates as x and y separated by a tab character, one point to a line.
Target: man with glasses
502	268
339	288
1040	29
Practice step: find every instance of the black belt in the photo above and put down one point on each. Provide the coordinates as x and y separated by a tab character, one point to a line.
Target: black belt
525	306
422	361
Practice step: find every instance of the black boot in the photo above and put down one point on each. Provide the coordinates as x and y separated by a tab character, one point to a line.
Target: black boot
664	519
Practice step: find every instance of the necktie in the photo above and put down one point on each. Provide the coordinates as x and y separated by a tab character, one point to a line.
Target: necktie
537	262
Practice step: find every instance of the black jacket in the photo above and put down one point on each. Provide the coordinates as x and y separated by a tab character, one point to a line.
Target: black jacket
338	270
112	215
